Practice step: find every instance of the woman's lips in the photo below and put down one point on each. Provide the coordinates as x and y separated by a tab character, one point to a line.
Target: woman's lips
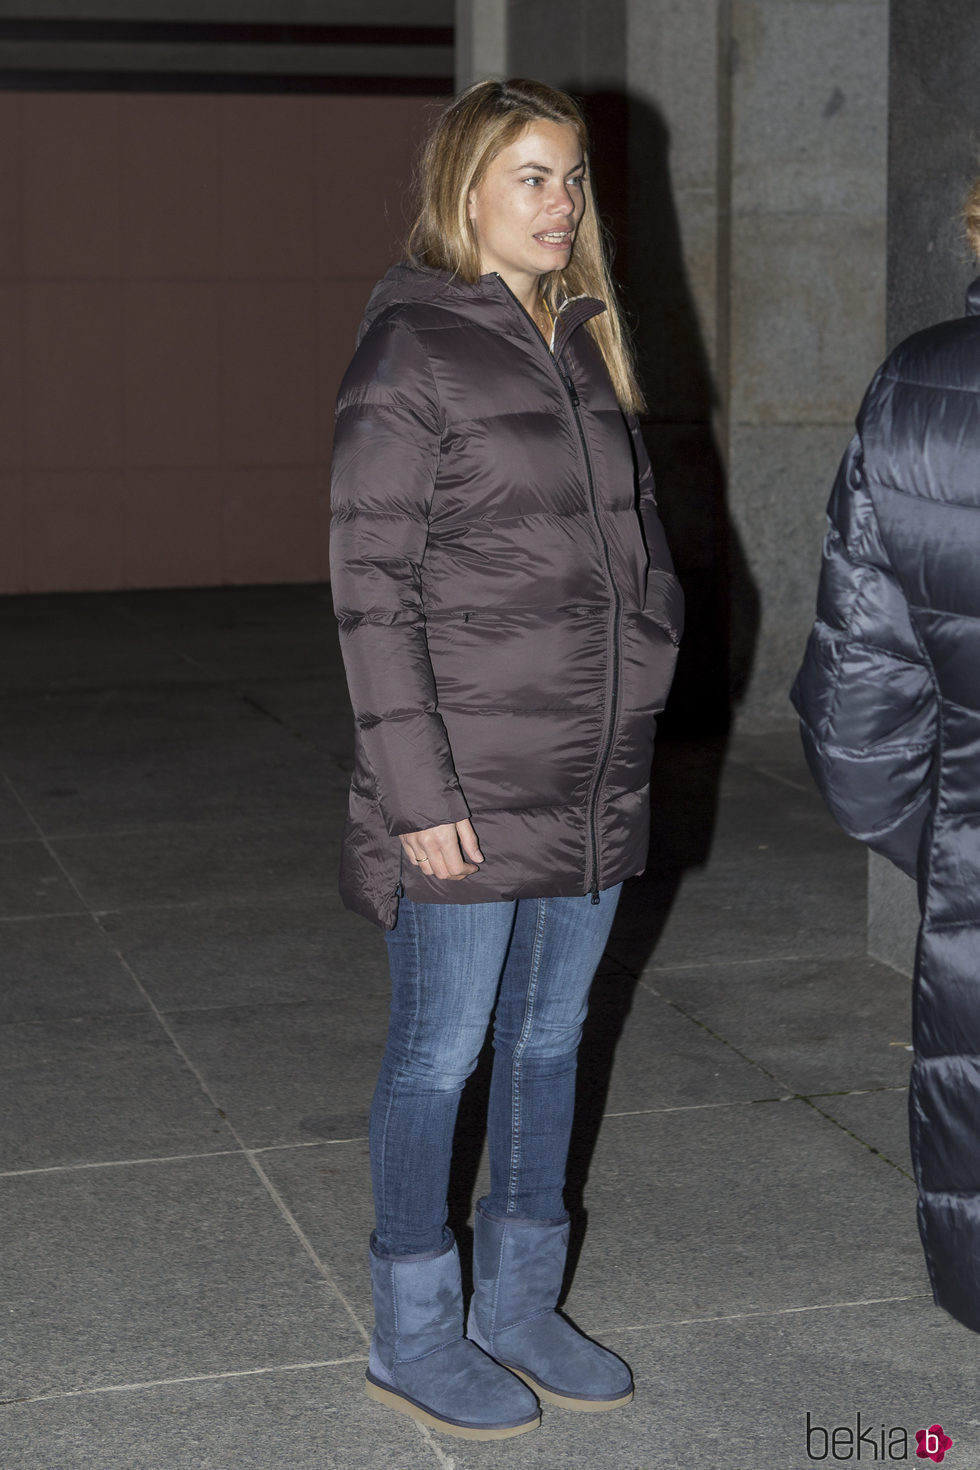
555	239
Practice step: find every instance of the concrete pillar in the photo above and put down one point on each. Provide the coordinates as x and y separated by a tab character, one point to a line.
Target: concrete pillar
934	125
578	44
804	289
676	78
481	41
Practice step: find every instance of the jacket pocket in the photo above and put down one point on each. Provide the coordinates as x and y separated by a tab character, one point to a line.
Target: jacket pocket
649	657
664	602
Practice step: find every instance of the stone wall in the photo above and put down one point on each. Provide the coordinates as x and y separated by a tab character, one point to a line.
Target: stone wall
804	291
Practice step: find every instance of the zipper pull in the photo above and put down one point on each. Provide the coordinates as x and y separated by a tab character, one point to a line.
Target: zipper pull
595	890
570	389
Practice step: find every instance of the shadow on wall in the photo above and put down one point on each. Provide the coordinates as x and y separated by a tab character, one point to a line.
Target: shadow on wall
722	601
722	607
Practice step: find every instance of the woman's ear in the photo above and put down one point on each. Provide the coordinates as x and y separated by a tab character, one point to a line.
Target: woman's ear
471	204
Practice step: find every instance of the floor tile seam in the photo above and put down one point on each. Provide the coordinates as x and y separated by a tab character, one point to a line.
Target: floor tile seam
792	1095
154	1010
19	800
854	1091
787	1093
326	1274
751	1102
253	702
271	1148
136	1013
856	1137
771	775
168	827
157	635
770	1314
736	753
165	639
272	1192
780	1082
80	913
222	901
323	998
150	1383
94	1164
735	1102
809	957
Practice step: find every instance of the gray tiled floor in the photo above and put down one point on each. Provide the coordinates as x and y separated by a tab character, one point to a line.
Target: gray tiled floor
189	1029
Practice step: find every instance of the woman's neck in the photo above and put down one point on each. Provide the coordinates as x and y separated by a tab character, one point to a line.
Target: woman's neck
527	289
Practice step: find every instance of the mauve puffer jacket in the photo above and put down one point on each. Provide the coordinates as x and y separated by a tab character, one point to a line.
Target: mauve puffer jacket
889	696
507	605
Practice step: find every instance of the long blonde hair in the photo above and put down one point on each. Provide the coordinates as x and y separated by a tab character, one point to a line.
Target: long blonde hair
465	140
971	217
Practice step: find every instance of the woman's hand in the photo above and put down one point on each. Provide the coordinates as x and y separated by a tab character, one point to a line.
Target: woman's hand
448	851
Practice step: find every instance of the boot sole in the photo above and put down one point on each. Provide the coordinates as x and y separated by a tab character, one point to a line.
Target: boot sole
392	1399
568	1401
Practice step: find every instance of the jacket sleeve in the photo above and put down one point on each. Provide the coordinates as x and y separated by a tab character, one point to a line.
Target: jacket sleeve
663	589
865	693
385	458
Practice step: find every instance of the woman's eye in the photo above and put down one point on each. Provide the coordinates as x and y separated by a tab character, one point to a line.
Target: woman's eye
578	181
534	179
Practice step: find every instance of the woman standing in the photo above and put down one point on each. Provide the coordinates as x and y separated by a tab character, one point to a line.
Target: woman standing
509	620
889	702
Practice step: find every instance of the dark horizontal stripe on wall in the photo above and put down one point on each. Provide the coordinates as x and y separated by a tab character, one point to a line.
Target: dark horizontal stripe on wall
205	56
12	80
212	33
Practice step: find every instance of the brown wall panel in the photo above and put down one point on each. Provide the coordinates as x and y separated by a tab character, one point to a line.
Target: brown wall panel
181	278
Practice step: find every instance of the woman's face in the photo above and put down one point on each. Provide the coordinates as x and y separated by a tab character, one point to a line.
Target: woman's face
528	205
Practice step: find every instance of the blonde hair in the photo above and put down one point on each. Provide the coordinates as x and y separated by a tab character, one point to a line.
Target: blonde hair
971	217
466	138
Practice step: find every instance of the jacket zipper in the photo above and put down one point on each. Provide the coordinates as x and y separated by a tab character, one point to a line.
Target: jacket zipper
573	399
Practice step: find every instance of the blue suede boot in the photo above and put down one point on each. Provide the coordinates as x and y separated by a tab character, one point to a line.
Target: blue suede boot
517	1273
423	1366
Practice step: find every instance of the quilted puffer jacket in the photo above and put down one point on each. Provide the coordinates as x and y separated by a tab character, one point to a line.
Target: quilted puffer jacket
889	697
507	605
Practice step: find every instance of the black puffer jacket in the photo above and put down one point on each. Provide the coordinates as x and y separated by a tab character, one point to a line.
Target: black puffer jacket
507	605
889	696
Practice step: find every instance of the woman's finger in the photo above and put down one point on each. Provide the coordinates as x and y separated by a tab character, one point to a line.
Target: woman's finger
436	851
468	841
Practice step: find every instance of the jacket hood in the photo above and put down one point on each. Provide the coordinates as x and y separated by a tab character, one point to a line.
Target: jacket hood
407	285
488	301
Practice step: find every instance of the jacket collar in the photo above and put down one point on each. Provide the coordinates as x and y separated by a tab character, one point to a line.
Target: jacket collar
488	301
572	313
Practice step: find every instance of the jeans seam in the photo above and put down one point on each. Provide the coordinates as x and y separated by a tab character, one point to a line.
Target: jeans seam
400	1073
521	1047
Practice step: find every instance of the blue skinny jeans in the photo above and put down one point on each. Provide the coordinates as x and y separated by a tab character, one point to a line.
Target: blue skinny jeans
529	964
